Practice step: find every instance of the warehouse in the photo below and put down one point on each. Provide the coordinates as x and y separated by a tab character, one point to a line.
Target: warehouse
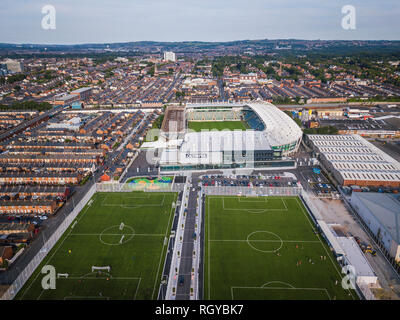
355	161
380	212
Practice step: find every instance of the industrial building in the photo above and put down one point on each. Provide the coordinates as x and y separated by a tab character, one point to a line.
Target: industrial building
381	213
354	161
82	93
64	99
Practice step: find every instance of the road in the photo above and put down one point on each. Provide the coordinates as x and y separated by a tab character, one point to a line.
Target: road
221	89
168	259
185	268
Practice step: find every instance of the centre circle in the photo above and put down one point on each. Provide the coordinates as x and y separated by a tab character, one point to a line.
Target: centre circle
128	235
252	243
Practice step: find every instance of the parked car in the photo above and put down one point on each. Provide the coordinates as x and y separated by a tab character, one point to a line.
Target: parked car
181	280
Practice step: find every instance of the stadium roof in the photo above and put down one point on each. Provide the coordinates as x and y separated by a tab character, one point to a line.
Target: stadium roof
280	128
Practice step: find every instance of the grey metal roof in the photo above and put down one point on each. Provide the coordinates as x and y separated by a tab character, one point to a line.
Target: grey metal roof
385	208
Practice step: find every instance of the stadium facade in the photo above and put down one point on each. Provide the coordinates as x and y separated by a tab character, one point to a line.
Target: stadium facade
271	137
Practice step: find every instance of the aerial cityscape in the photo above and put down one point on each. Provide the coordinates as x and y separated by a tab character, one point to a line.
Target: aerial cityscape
206	168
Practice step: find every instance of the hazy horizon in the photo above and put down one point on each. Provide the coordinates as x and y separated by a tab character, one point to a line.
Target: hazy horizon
184	41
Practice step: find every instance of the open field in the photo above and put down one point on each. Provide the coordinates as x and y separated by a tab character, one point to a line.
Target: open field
266	248
219	125
126	231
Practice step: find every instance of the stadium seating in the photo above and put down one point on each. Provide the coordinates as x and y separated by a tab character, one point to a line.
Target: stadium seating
214	116
253	120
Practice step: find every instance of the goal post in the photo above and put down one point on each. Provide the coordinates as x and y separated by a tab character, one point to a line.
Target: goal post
62	275
106	268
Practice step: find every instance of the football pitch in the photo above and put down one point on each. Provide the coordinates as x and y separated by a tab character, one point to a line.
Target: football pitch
265	248
127	232
218	125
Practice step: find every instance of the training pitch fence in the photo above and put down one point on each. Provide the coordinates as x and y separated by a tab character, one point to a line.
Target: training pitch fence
26	273
146	187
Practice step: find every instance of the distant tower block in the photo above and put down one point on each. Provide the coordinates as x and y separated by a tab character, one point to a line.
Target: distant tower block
169	56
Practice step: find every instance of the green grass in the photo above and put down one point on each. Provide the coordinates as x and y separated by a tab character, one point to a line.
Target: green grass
94	240
219	125
253	245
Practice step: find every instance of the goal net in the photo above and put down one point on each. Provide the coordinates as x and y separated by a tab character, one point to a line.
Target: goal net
107	268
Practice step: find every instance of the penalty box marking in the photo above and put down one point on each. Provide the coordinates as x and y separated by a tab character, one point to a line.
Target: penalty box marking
254	210
84	277
103	203
253	199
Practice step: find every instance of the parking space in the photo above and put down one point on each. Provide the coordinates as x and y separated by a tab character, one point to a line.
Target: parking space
259	180
37	220
315	179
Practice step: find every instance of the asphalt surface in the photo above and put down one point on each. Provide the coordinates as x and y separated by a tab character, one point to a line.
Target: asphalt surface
168	260
141	167
185	268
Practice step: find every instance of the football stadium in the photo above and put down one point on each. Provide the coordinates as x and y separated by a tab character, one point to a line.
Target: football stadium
267	248
226	135
115	249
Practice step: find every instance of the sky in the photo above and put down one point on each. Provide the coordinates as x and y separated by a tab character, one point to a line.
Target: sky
107	21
